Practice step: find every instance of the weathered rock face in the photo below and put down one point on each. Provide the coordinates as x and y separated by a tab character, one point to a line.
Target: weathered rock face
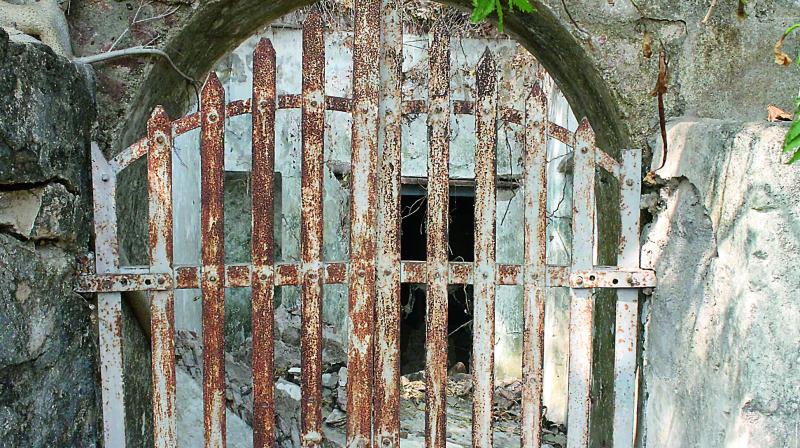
721	357
46	115
49	393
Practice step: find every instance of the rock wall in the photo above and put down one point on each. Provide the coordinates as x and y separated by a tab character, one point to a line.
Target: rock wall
721	357
49	391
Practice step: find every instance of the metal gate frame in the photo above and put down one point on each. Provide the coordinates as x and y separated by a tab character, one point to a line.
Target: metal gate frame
375	270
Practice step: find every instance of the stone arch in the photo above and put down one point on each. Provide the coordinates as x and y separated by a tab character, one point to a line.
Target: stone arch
215	27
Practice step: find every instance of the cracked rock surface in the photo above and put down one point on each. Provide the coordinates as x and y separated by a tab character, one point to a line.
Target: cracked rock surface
49	392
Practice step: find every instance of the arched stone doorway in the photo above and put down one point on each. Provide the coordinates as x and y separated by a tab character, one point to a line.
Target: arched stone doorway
217	37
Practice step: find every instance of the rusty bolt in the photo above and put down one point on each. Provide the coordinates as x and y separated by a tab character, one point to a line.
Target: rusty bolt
104	177
584	150
387	272
160	139
213	116
262	105
312	275
212	278
629	182
124	281
629	280
579	281
386	441
362	272
161	281
263	276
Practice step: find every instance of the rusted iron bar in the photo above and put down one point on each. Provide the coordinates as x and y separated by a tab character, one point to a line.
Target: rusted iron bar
340	104
313	129
162	303
109	304
287	274
608	163
363	197
626	332
485	252
128	156
125	282
437	241
212	147
333	103
263	243
624	278
535	252
387	311
581	305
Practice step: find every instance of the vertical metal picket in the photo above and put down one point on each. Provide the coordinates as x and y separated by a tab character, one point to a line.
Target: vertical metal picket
311	230
535	269
363	196
387	294
581	304
484	271
109	304
437	247
162	305
627	304
263	243
212	122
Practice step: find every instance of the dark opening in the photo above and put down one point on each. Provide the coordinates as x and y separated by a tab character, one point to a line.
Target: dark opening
413	248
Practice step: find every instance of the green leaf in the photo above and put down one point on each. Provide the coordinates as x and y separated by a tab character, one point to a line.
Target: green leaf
524	5
792	141
499	8
794	158
481	10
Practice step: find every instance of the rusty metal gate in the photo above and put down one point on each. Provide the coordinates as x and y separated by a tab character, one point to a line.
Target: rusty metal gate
375	271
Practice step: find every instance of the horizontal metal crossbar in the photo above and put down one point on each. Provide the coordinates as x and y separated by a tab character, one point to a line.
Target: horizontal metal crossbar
612	278
290	274
341	104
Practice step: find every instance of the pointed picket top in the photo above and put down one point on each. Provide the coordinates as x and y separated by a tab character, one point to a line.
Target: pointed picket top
584	136
485	78
158	118
212	84
536	105
264	48
263	77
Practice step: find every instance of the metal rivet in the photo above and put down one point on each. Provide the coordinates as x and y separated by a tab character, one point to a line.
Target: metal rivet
579	280
160	140
629	182
584	150
262	105
212	117
104	177
212	278
362	272
124	281
263	277
161	281
386	441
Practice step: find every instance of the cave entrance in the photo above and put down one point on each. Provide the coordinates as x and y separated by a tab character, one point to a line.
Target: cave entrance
461	240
